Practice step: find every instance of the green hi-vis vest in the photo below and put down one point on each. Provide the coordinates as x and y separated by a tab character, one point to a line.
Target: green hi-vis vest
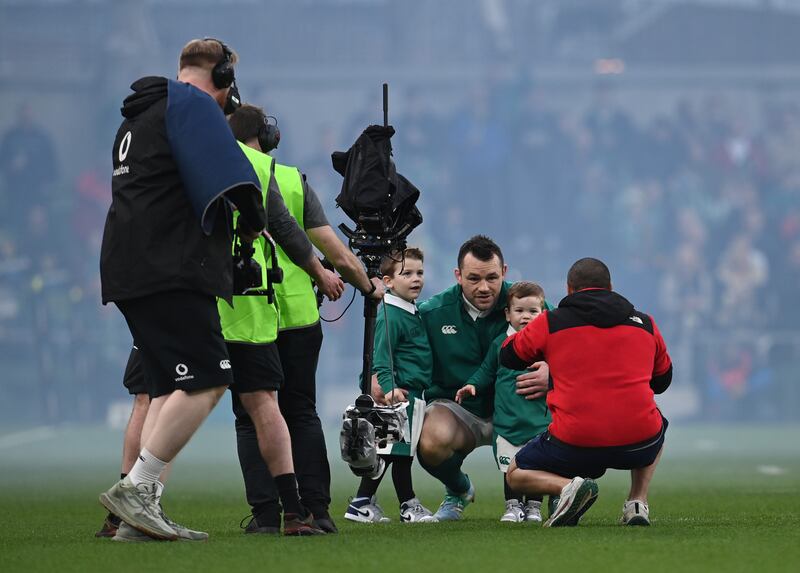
252	319
296	298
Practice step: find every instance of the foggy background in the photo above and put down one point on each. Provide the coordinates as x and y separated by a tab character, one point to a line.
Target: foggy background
662	137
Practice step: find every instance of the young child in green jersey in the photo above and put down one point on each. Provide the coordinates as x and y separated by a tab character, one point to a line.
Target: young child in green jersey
516	420
400	342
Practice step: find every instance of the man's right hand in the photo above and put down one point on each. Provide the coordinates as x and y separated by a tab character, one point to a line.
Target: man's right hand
246	233
535	383
379	291
330	284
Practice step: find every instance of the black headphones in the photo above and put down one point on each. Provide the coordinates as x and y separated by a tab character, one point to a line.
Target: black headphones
269	136
223	74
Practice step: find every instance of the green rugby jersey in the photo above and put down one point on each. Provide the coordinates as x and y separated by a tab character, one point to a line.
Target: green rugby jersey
515	418
459	344
411	353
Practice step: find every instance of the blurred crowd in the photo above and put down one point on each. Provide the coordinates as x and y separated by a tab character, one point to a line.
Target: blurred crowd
696	210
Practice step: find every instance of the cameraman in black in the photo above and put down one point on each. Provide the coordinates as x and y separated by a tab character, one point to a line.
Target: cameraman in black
299	342
166	255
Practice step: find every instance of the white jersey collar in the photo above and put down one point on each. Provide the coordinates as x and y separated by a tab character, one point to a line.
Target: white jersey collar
394	300
473	312
510	330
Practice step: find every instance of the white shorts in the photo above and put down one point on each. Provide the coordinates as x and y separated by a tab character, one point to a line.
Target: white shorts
481	428
504	452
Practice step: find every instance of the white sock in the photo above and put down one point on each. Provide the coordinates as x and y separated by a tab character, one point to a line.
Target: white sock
147	468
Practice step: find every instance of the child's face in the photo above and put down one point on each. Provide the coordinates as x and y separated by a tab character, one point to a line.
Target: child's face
521	311
407	280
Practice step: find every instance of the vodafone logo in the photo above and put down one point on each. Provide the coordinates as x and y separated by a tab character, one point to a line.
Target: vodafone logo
183	373
124	146
449	329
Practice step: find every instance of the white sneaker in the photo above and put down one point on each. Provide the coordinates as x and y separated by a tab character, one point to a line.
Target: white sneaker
366	510
635	512
576	497
128	534
412	511
533	511
514	512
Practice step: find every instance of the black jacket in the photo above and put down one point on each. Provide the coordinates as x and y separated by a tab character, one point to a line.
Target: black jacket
153	240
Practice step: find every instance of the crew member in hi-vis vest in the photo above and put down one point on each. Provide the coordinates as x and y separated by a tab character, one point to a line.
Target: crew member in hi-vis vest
299	339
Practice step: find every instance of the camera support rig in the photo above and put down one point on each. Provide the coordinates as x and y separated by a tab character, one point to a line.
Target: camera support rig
381	203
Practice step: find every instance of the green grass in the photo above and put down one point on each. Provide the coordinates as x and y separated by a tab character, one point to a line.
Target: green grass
719	502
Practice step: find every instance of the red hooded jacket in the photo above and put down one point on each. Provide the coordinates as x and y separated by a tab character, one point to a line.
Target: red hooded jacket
606	361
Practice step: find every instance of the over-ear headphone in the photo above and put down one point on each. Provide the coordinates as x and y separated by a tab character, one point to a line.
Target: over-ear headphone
269	136
223	74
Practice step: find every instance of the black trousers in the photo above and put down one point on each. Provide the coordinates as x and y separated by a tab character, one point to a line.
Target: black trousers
299	352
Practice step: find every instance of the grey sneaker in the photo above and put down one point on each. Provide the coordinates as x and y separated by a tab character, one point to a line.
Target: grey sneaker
533	511
128	534
635	512
412	511
515	513
576	497
184	533
138	506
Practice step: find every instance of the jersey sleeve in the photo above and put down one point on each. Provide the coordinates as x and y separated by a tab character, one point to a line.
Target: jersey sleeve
662	361
485	376
525	347
381	360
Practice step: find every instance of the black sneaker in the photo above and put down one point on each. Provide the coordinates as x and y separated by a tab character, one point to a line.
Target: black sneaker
326	524
253	526
110	526
294	525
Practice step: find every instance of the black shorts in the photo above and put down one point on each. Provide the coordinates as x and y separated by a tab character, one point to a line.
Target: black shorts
180	341
546	453
134	379
255	367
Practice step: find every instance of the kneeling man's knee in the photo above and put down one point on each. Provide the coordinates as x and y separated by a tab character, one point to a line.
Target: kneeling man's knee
512	474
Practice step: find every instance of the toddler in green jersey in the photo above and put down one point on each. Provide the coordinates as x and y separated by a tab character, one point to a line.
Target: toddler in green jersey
516	420
401	345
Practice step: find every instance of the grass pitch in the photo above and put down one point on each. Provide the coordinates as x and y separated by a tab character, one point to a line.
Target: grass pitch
722	500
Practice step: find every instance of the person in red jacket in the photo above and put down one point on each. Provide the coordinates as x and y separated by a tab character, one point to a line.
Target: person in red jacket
607	360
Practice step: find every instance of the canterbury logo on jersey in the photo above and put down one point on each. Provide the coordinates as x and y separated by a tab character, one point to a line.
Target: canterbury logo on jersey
449	329
225	364
635	319
504	460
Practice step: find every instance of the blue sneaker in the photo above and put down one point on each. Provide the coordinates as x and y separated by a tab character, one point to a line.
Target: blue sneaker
453	505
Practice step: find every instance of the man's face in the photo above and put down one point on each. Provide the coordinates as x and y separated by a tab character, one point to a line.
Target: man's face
481	281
